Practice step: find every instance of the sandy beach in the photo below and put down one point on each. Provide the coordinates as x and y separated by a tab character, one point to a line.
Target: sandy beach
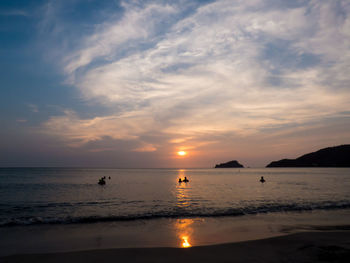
321	246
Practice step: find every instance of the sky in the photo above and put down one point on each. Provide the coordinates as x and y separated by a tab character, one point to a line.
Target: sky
130	83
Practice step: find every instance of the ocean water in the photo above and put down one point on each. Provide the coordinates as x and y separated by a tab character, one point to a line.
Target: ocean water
51	196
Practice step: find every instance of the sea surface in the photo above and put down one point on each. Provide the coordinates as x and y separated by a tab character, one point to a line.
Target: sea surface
45	196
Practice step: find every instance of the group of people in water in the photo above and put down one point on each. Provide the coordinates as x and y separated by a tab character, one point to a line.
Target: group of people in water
185	180
102	180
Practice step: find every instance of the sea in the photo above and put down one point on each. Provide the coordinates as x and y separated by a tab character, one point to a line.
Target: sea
149	207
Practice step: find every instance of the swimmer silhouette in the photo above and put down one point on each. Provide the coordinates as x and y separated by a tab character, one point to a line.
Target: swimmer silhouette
102	181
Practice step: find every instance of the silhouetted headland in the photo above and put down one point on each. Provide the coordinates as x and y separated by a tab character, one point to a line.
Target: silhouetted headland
338	156
230	164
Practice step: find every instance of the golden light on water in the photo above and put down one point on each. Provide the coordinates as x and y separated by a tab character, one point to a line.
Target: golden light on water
185	242
181	153
183	225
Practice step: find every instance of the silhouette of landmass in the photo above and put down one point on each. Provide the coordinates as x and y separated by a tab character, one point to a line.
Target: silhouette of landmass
230	164
338	156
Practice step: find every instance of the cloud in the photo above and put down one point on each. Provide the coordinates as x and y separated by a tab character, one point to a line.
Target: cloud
244	68
113	38
33	108
14	12
21	120
79	131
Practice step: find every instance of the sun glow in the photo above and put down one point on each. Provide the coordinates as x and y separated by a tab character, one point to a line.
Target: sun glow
185	242
181	153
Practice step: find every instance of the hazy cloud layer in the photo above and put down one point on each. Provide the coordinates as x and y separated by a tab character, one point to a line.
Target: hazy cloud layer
213	77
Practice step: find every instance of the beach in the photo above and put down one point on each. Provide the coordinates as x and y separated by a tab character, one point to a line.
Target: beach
324	246
145	215
315	236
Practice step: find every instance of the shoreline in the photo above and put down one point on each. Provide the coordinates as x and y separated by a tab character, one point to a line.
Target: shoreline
325	246
198	232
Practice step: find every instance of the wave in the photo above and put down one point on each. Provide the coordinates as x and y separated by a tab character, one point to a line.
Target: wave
175	213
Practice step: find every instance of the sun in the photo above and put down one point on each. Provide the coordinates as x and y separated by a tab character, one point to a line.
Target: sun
181	153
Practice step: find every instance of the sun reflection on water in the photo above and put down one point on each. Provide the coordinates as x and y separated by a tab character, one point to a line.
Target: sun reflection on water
183	226
185	242
182	189
184	231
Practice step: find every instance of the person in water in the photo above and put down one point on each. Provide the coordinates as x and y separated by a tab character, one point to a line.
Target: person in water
102	181
186	180
262	179
180	181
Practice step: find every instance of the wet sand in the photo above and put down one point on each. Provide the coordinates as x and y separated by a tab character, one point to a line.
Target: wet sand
323	246
58	238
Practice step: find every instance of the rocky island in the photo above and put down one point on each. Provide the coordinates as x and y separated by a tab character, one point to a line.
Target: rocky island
338	156
230	164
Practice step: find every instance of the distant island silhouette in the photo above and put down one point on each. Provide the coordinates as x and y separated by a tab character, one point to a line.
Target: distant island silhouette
337	156
230	164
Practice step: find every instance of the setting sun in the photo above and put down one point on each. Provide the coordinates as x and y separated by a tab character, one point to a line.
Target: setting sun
181	153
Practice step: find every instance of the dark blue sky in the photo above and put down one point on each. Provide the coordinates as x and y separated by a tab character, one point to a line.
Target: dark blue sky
130	83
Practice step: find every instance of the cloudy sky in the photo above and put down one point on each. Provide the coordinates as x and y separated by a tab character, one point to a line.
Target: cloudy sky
130	83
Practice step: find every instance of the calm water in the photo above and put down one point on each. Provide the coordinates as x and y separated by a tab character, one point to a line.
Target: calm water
54	195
